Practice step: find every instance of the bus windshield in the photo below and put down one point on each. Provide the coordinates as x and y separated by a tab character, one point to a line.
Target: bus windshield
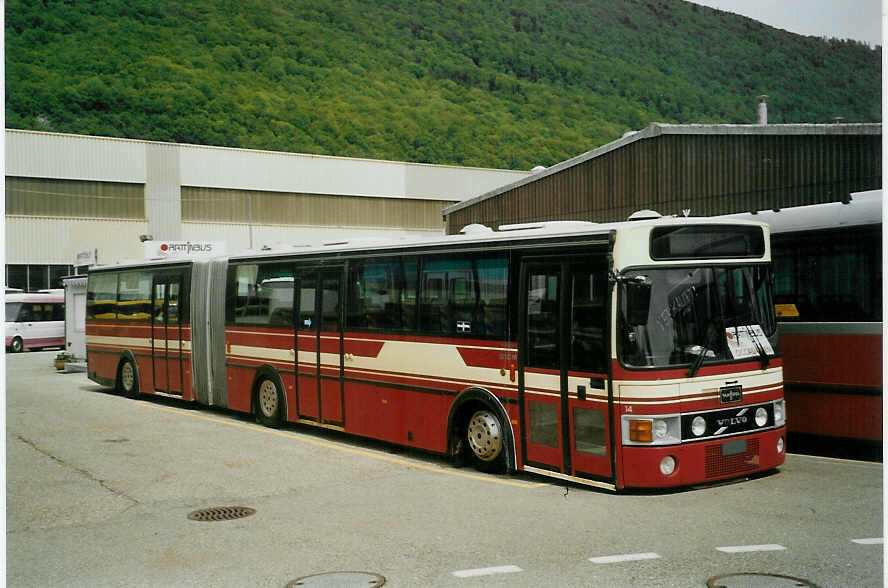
688	316
12	311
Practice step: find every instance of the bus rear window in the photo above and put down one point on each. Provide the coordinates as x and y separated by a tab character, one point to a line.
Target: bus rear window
707	242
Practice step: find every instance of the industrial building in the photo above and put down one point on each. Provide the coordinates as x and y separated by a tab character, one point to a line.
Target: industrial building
100	198
698	170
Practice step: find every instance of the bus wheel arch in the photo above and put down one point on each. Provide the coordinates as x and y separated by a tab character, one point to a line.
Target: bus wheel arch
268	400
480	409
127	382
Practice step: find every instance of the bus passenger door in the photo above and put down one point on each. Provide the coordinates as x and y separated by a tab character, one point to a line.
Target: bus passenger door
563	342
319	345
166	334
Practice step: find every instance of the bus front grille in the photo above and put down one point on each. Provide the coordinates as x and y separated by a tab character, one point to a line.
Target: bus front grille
728	458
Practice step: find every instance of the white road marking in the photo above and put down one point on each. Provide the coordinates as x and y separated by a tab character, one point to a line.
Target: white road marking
749	548
609	559
873	541
487	571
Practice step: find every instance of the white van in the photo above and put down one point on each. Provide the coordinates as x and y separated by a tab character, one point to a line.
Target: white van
35	320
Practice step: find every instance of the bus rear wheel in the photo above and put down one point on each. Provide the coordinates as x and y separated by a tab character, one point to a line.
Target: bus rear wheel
128	379
268	402
484	434
16	345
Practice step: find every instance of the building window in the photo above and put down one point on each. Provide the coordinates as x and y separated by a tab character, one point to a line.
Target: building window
34	277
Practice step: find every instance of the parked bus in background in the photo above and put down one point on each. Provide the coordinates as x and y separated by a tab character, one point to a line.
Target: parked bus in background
35	320
637	354
828	292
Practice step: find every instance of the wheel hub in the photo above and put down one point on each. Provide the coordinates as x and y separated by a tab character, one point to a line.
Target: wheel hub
268	398
484	436
127	376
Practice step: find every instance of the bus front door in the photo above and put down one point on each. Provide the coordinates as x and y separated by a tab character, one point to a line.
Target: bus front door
564	400
166	334
319	345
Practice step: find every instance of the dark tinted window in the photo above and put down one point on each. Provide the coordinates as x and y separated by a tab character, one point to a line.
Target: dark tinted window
464	296
588	319
382	294
706	242
828	276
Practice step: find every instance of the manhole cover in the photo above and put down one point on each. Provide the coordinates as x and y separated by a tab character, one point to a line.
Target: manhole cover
757	581
340	580
221	513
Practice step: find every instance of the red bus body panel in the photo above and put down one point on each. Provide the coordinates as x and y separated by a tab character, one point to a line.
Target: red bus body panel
833	383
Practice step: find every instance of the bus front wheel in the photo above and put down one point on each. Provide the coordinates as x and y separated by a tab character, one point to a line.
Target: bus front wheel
16	345
484	434
268	402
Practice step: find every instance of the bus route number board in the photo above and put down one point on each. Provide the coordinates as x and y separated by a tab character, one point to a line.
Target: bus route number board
731	394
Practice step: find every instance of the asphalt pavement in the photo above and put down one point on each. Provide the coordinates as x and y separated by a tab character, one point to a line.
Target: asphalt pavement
100	489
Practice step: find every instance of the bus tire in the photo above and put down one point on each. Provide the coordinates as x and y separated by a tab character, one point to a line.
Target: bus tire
16	345
485	437
128	379
268	401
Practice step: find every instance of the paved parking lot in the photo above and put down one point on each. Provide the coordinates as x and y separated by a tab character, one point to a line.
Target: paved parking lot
99	489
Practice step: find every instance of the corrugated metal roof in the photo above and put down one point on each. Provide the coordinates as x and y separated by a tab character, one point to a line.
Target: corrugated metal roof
658	129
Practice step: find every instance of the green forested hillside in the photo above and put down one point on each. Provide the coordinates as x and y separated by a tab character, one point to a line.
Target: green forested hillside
491	83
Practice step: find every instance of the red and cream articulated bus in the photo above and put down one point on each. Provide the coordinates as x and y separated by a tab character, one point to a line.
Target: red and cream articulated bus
828	291
636	354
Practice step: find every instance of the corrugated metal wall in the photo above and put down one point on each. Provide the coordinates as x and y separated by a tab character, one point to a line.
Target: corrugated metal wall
72	198
707	173
34	239
276	208
163	192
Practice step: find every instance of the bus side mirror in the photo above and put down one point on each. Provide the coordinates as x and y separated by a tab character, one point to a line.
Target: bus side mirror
638	302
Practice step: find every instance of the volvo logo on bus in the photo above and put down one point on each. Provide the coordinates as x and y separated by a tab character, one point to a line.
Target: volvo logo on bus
737	420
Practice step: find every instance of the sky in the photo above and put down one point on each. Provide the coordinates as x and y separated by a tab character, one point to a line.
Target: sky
843	19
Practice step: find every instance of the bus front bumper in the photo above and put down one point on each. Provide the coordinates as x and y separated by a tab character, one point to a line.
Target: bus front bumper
703	462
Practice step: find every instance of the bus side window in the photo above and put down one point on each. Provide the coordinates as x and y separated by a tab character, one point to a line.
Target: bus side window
101	296
58	311
27	313
465	296
381	294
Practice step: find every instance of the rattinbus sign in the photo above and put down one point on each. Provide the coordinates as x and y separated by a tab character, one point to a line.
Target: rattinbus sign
189	249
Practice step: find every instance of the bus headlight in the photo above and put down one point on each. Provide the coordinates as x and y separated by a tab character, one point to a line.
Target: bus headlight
698	426
761	417
667	465
779	413
652	430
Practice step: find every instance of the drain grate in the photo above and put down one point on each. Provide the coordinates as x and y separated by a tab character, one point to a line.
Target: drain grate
747	580
221	513
340	580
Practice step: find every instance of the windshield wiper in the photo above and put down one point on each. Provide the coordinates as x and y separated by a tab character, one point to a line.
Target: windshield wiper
698	361
757	317
764	358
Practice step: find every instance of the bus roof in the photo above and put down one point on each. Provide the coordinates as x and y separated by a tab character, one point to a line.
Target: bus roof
557	232
863	208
